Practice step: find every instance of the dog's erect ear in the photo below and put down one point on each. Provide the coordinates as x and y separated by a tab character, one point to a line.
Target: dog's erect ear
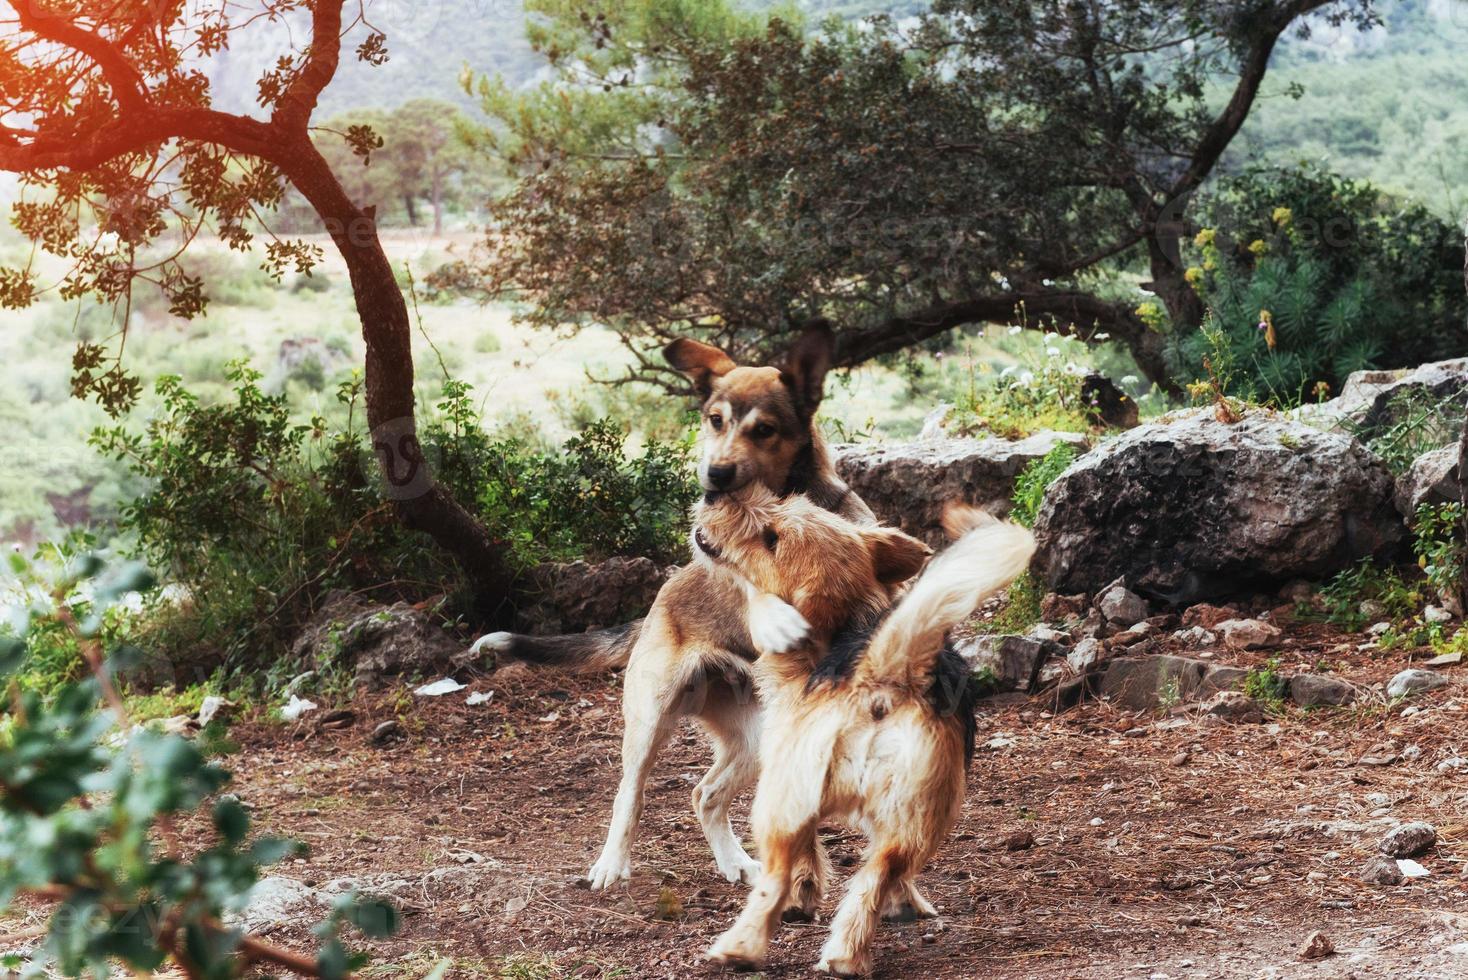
807	363
702	363
897	557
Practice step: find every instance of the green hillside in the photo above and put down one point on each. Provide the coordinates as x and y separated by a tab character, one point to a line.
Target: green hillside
1386	105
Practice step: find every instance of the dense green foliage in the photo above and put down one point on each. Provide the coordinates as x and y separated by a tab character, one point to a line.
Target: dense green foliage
88	817
1309	276
256	516
1035	479
890	177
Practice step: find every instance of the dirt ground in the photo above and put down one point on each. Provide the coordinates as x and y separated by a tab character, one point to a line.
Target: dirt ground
1093	842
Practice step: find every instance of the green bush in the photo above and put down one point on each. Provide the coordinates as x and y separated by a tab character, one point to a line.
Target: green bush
257	516
1311	276
89	807
1035	479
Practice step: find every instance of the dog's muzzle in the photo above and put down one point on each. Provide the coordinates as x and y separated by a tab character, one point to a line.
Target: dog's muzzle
705	545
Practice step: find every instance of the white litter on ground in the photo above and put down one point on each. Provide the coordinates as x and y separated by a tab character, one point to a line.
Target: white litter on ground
296	707
1411	869
479	697
439	688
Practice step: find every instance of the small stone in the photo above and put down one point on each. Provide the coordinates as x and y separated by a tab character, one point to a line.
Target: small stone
1020	840
1097	821
1436	614
1234	706
1121	605
1381	871
1196	636
1208	616
1409	840
1317	946
386	732
1377	629
1444	660
1413	681
1249	634
1181	759
1084	655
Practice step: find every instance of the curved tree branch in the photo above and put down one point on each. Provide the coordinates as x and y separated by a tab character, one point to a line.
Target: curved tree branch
322	60
125	81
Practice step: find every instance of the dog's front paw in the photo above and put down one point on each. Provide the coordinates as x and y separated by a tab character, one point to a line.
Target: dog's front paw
608	870
775	626
738	950
742	868
844	966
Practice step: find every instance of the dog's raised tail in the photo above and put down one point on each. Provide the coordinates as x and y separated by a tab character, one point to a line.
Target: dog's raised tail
595	650
987	556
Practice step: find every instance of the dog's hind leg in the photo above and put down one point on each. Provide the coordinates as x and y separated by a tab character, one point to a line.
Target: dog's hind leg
848	950
747	941
906	904
650	709
808	883
732	719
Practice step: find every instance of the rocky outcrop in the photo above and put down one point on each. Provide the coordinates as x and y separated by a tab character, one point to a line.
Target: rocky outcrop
1188	508
577	596
1372	401
379	642
907	484
1431	479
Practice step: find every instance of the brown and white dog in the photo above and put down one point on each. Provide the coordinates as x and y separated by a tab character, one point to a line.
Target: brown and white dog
871	723
691	656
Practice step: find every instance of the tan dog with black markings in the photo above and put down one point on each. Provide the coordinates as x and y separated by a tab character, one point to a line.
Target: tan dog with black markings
871	724
691	656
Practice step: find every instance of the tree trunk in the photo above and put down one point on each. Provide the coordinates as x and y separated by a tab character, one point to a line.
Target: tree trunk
412	209
1463	496
437	204
421	502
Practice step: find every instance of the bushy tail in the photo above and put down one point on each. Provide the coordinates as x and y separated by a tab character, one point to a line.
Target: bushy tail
588	652
987	556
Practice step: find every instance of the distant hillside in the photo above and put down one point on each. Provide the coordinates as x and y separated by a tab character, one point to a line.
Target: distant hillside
1386	105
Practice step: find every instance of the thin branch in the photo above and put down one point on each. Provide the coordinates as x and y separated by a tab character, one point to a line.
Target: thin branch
126	83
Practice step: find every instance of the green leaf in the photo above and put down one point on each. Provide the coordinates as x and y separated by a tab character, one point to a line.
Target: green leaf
231	820
12	655
377	918
273	850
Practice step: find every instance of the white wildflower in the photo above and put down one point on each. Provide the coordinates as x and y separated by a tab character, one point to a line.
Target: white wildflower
1130	379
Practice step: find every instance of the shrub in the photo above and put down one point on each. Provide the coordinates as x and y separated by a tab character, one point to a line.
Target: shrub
1344	595
1437	541
87	818
1311	276
257	516
1039	391
1035	479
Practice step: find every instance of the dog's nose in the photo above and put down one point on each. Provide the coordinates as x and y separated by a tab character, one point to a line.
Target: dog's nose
721	476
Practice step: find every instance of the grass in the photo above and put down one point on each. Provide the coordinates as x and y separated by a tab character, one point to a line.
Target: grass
1021	610
1267	685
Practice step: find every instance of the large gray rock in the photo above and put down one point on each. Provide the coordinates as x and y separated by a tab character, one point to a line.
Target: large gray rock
1144	683
907	484
1431	479
1373	401
1014	661
1188	508
577	596
1318	691
379	642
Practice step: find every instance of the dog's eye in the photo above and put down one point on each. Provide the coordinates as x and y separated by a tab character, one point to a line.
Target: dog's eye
771	538
717	421
763	431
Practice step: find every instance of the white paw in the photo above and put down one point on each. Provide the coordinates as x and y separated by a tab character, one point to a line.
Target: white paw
495	643
775	626
741	869
608	870
841	966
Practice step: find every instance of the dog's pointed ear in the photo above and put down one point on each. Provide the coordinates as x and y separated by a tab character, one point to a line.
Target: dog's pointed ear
806	365
703	364
896	557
